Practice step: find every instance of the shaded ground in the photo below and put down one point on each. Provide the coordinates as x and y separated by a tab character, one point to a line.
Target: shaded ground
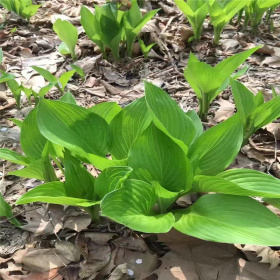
63	244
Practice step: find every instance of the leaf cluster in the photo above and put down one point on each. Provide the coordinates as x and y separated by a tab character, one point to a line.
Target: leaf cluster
23	8
150	154
109	26
222	11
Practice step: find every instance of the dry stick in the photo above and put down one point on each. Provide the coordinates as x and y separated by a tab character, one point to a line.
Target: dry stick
25	211
275	153
268	151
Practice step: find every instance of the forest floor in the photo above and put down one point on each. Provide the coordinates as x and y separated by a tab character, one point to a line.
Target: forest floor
56	242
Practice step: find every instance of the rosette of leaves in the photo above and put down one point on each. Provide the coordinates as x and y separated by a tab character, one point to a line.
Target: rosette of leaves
158	153
196	12
109	26
24	8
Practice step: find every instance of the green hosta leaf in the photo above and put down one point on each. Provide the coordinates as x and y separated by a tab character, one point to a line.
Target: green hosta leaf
127	126
79	182
155	157
106	110
230	219
265	4
111	179
68	98
5	77
35	170
216	148
67	33
100	162
145	49
54	193
79	70
45	89
196	122
65	77
15	88
244	100
195	11
132	206
264	114
31	139
30	11
168	117
73	127
211	78
16	122
6	211
92	26
243	182
63	49
46	74
165	198
14	157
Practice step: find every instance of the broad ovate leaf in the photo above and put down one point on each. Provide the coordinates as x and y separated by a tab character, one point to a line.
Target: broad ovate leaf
73	127
79	182
31	139
156	157
127	126
216	148
67	33
53	192
111	179
132	206
106	110
244	182
165	198
14	157
169	117
35	170
229	219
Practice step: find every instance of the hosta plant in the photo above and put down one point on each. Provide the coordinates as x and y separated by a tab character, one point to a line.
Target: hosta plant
253	111
60	83
212	80
196	12
24	8
221	12
145	49
150	153
109	26
255	10
68	34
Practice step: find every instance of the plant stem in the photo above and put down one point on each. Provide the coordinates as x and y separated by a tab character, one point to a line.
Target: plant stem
217	35
94	213
203	108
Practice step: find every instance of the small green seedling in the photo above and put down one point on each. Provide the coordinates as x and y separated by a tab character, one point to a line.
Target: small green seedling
253	111
24	8
221	12
211	80
110	26
67	33
145	49
255	10
159	153
133	22
196	12
79	70
59	83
